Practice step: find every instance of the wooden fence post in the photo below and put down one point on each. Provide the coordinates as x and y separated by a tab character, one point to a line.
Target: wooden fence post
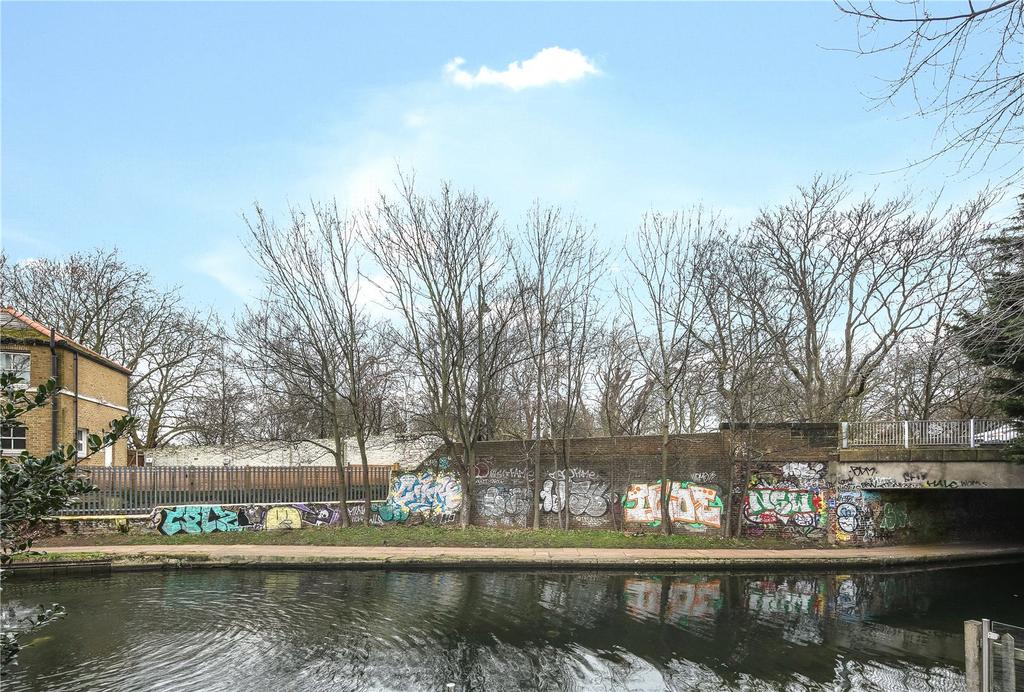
972	654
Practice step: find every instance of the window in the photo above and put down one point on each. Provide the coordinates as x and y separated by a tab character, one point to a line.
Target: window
18	363
12	439
82	442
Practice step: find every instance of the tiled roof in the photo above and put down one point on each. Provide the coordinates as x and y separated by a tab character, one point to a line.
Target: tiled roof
63	340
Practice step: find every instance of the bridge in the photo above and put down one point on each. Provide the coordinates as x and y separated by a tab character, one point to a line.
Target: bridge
928	454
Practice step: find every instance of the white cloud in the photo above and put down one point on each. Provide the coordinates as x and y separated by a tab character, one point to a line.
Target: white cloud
414	119
231	267
552	65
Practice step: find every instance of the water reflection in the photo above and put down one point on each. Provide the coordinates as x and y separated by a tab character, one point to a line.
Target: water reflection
510	631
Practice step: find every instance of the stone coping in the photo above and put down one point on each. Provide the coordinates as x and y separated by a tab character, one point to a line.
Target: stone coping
129	557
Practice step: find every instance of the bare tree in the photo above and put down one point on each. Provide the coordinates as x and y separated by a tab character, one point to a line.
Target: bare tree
114	308
962	62
221	412
741	354
663	307
570	361
444	259
555	274
623	389
848	283
312	328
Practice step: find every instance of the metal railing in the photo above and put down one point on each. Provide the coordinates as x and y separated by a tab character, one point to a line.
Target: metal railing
974	432
129	490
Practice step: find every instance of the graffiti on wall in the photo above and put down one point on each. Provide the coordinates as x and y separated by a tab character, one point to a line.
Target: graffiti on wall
783	505
205	519
697	506
500	501
194	519
505	494
790	501
422	496
893	516
584	497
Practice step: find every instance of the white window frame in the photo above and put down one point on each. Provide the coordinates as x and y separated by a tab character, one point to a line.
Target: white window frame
7	365
6	433
81	442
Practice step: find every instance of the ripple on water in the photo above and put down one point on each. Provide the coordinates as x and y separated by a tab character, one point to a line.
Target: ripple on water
233	630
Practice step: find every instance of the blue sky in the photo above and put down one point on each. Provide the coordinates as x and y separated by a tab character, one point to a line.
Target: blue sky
153	127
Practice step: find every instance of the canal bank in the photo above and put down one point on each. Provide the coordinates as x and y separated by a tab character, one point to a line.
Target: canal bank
129	557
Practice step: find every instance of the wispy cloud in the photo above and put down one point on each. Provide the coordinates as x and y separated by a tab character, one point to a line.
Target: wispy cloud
230	266
552	65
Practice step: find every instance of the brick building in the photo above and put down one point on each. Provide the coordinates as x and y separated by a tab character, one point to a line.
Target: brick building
93	390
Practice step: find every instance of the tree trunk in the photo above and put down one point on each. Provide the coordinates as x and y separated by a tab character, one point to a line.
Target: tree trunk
745	483
466	471
540	407
367	507
339	462
567	493
666	482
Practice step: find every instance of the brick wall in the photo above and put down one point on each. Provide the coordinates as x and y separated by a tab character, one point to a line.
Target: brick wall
610	483
782	488
95	381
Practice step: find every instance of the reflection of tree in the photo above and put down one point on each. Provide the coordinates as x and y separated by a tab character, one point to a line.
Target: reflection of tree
511	631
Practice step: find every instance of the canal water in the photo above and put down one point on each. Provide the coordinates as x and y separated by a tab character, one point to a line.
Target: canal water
335	630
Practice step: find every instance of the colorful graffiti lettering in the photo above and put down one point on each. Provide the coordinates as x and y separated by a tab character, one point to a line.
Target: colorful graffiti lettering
218	518
282	518
696	505
197	519
423	495
801	506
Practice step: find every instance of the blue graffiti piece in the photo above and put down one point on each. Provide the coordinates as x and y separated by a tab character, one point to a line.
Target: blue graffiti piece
198	519
424	494
391	512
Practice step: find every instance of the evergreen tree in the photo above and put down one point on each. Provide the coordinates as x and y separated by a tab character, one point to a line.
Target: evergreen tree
994	333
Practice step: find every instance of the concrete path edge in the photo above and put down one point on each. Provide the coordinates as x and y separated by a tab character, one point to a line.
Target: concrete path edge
145	557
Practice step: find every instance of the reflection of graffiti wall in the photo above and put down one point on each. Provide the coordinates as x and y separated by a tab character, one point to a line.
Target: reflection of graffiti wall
425	496
786	596
695	506
684	599
204	519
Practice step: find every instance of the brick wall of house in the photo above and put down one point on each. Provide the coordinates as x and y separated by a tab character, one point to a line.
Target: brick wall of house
95	380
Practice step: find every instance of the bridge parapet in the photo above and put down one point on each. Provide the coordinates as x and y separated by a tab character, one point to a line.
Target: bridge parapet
926	468
970	433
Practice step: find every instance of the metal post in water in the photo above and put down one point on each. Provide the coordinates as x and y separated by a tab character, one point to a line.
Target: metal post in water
986	656
1009	663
